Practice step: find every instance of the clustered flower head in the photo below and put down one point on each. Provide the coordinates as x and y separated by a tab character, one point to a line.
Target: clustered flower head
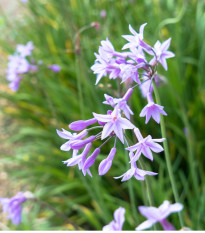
152	214
19	65
129	66
13	206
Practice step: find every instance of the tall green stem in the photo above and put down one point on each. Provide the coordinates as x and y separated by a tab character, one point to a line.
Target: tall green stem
167	156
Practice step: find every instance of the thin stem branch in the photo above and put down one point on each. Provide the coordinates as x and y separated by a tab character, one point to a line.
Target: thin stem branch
167	155
58	213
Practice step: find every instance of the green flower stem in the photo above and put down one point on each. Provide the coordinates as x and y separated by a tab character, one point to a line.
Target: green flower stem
131	188
149	189
167	156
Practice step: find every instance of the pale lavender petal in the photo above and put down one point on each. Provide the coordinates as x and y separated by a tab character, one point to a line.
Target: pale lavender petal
151	213
138	134
107	130
101	117
147	152
165	45
65	134
145	225
155	147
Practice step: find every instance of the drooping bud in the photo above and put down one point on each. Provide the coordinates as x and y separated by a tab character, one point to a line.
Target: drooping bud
106	164
79	144
90	161
80	125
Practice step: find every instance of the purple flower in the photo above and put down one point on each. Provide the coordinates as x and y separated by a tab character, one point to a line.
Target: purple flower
129	71
120	103
117	223
71	137
80	125
25	50
55	68
12	206
114	123
105	65
106	164
145	146
90	160
135	39
107	61
80	159
139	174
161	53
152	109
159	214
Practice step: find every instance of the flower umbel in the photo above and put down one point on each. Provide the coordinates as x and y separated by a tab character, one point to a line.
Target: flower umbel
12	206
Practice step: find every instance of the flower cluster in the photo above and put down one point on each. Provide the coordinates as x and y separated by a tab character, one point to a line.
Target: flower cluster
19	65
132	66
13	206
152	214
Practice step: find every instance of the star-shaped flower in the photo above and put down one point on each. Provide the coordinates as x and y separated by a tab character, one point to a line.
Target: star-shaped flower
152	110
159	214
145	146
135	39
114	123
161	52
139	174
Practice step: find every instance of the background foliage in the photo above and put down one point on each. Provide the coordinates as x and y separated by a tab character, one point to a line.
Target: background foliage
46	101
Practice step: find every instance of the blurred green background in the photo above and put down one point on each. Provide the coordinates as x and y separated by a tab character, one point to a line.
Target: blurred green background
46	101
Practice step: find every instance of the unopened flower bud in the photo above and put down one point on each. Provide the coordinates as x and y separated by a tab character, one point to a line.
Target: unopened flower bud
79	144
90	161
106	164
80	125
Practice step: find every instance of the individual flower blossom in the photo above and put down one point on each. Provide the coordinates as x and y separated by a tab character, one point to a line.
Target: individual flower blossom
106	164
159	214
139	174
55	68
71	137
105	65
129	71
117	223
12	206
80	160
114	123
135	39
160	50
152	109
145	146
25	50
120	103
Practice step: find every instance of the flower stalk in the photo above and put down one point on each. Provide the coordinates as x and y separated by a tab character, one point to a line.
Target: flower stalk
167	155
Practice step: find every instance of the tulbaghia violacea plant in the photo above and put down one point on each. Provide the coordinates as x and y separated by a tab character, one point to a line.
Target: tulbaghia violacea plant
21	63
131	67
